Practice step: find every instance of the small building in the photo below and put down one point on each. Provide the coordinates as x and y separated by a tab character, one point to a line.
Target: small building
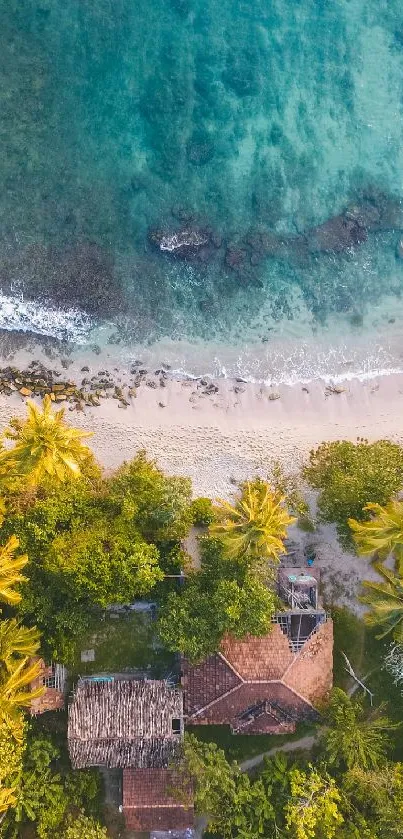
267	684
124	723
136	726
151	802
52	678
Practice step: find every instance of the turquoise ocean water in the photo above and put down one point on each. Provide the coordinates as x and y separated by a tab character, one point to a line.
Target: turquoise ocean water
247	122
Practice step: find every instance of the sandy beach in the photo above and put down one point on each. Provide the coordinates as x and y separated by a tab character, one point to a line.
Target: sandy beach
220	437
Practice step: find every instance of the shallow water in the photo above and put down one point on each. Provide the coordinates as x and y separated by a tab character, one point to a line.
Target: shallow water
118	117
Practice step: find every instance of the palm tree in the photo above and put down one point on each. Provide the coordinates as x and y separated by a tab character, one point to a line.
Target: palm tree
7	798
256	525
16	641
383	533
386	602
351	740
45	447
15	694
10	568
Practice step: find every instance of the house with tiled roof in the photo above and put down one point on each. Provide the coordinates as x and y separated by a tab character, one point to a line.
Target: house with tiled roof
151	801
267	684
133	725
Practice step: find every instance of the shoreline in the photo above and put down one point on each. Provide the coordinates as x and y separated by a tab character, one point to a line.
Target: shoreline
220	431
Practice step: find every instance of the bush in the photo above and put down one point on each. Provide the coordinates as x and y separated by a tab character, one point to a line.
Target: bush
351	475
202	511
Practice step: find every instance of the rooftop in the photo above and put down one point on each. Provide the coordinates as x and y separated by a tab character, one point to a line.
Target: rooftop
124	723
151	801
263	684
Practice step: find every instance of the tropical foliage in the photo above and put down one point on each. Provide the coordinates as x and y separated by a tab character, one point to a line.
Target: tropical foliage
382	534
44	446
349	476
354	739
385	600
223	597
255	526
83	827
313	807
10	572
46	790
282	801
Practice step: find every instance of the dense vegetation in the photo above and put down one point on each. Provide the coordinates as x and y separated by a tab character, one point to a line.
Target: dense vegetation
75	542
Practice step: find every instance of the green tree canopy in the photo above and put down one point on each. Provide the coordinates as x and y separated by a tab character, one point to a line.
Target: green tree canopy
312	811
373	802
46	790
349	476
92	542
105	563
224	597
83	827
157	505
352	738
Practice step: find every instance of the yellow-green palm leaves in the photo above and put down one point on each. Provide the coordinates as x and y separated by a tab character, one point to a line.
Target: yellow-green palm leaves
256	525
10	571
386	603
45	447
16	641
383	533
15	694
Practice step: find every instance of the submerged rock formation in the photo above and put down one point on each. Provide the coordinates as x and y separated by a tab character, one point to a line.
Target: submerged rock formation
190	243
338	234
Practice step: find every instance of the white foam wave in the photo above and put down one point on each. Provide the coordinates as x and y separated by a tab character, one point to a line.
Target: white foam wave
17	314
299	367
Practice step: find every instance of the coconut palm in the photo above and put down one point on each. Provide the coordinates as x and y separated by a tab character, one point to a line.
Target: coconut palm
15	694
7	798
383	533
45	447
16	641
352	740
256	525
10	568
386	603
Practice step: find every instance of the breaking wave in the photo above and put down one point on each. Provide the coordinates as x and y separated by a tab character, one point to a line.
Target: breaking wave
17	314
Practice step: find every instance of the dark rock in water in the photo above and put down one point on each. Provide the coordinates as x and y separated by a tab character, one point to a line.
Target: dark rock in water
378	211
181	242
367	215
200	150
292	249
216	240
336	235
235	257
80	275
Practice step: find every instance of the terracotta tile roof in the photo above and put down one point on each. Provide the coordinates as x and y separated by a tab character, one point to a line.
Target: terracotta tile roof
205	682
227	709
261	658
150	804
268	671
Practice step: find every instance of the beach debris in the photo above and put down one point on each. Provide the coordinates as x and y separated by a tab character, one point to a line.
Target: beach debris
305	389
399	249
334	389
161	405
274	395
